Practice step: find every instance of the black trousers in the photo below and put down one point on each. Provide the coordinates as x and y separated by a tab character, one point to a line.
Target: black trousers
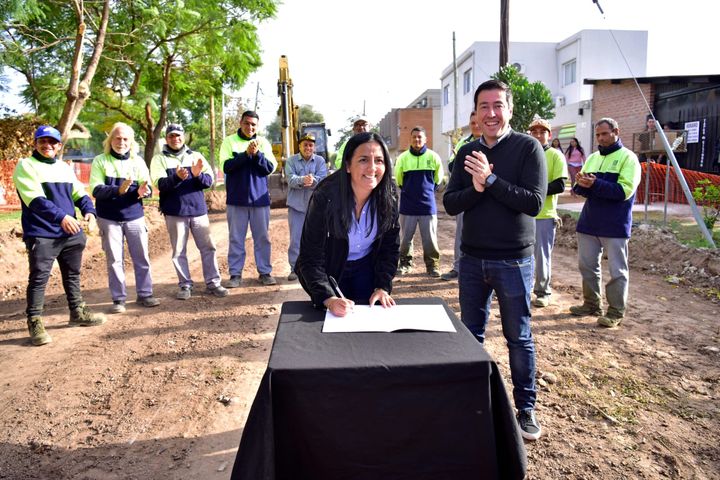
42	252
358	280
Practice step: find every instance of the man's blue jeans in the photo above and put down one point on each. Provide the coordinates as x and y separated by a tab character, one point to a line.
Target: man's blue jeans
512	282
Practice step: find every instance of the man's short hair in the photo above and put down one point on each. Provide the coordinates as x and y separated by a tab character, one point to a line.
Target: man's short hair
418	128
494	85
251	114
609	122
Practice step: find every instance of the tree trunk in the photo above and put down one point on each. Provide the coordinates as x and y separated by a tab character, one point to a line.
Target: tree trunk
212	133
150	139
78	90
153	131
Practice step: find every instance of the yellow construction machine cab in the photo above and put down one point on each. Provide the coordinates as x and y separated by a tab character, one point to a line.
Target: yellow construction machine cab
290	131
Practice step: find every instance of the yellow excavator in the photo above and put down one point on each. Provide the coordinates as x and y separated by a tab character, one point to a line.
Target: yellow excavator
291	131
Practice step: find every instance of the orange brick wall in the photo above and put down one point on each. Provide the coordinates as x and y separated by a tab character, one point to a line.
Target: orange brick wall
622	102
408	119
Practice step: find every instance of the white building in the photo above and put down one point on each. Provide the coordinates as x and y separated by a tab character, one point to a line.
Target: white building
561	66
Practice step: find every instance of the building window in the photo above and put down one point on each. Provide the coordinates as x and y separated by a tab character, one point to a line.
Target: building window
569	72
446	94
467	81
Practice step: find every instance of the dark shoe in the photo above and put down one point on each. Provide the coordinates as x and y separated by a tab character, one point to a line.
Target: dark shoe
529	427
38	335
292	277
84	317
184	293
234	282
542	302
451	275
610	320
586	310
267	279
434	272
118	306
218	290
148	302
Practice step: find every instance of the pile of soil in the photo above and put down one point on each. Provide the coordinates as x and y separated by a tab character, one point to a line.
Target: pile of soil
164	393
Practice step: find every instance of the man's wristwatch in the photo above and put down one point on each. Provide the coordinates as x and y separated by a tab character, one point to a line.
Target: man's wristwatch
490	180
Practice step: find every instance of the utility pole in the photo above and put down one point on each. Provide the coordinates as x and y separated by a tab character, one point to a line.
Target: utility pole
212	132
504	31
455	88
222	113
257	93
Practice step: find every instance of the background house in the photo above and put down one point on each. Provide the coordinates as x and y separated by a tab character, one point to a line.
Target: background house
561	66
689	103
396	125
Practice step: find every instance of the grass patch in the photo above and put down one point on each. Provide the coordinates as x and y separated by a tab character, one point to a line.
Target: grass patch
688	232
610	393
221	373
10	216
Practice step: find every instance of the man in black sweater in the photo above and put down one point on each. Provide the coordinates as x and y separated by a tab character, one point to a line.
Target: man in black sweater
500	188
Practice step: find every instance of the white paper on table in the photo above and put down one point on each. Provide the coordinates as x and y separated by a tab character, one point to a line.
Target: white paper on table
432	318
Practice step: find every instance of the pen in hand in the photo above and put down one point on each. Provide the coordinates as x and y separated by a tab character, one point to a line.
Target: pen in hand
341	305
336	287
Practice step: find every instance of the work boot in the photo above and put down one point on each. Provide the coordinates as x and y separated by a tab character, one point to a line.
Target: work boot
118	306
217	290
38	335
611	319
586	309
234	282
434	272
84	317
184	292
542	301
148	302
267	279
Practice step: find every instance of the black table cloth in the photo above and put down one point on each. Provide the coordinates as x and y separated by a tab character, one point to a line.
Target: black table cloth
403	405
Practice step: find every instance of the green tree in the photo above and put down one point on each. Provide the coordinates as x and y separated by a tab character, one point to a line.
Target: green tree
707	195
346	132
306	114
56	45
529	99
160	59
170	57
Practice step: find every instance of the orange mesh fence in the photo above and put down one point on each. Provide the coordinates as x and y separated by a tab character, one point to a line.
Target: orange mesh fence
656	192
82	172
8	194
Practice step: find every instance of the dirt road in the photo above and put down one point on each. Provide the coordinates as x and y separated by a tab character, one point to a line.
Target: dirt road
163	393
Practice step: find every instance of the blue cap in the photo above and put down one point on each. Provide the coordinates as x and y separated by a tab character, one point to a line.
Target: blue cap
48	131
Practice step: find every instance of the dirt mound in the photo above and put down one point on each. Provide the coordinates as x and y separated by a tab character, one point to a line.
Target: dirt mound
216	200
164	393
656	250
